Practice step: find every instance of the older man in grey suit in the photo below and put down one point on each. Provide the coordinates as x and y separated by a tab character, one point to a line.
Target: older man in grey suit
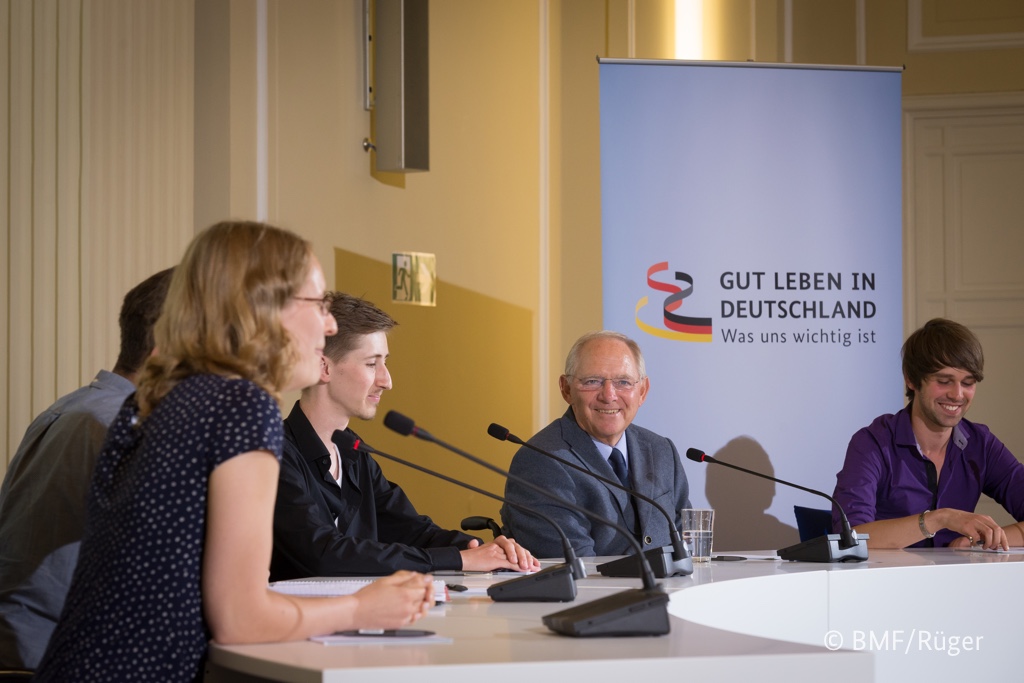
605	383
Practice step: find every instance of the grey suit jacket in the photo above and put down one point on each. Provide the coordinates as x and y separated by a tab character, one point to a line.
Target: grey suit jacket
655	470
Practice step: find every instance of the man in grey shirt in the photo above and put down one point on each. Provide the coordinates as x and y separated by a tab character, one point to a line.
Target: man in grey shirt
42	499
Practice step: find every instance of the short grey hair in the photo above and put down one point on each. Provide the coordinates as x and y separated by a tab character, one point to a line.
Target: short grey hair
572	361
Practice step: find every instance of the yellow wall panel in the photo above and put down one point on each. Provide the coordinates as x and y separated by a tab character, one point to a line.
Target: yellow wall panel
456	368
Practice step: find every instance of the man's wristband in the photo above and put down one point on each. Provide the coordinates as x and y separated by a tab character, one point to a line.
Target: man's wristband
924	529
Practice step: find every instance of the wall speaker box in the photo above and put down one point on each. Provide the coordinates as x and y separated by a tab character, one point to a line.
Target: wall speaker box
402	85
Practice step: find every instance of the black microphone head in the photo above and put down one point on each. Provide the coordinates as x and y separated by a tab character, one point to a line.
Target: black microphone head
697	455
397	422
498	432
345	441
502	434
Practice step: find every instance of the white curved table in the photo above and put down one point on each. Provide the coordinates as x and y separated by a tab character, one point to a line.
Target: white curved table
730	620
932	615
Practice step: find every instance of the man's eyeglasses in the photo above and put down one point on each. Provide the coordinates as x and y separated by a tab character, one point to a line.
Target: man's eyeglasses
621	385
324	302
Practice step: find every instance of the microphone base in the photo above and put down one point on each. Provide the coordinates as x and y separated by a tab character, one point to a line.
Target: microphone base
660	559
826	548
634	612
554	584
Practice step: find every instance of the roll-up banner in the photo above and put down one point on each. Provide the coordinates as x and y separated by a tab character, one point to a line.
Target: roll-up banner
752	245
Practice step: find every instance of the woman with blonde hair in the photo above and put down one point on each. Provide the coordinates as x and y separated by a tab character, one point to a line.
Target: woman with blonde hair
179	531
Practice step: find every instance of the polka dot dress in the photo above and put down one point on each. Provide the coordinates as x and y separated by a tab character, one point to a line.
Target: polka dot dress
134	610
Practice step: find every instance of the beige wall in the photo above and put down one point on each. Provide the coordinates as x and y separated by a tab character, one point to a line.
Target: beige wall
511	205
96	108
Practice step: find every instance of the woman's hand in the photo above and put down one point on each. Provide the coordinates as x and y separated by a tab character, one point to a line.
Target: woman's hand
394	601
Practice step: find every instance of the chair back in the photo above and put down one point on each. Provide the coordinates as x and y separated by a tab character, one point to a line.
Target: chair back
812	522
480	524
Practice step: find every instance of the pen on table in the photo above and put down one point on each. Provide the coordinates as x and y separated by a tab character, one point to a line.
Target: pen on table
458	588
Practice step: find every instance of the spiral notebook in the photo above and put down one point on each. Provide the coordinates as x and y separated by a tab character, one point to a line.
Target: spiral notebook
327	587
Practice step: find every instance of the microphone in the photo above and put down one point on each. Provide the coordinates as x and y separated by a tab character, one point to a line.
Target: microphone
666	561
553	584
842	547
634	612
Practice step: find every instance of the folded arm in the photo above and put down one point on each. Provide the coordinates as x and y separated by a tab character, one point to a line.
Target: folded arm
307	542
238	605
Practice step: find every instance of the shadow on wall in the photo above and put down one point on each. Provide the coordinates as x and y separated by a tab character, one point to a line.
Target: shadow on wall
740	500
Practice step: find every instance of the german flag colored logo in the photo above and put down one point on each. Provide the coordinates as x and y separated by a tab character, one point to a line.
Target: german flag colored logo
678	327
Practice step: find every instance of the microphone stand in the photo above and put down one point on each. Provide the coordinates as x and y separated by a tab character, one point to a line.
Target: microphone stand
634	612
671	560
553	584
842	547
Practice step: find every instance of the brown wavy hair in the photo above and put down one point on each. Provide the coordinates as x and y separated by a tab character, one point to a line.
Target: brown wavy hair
940	343
223	310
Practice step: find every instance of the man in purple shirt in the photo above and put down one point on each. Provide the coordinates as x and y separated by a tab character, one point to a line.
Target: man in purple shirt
914	478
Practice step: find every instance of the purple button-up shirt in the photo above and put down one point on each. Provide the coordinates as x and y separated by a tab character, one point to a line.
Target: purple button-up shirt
885	475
